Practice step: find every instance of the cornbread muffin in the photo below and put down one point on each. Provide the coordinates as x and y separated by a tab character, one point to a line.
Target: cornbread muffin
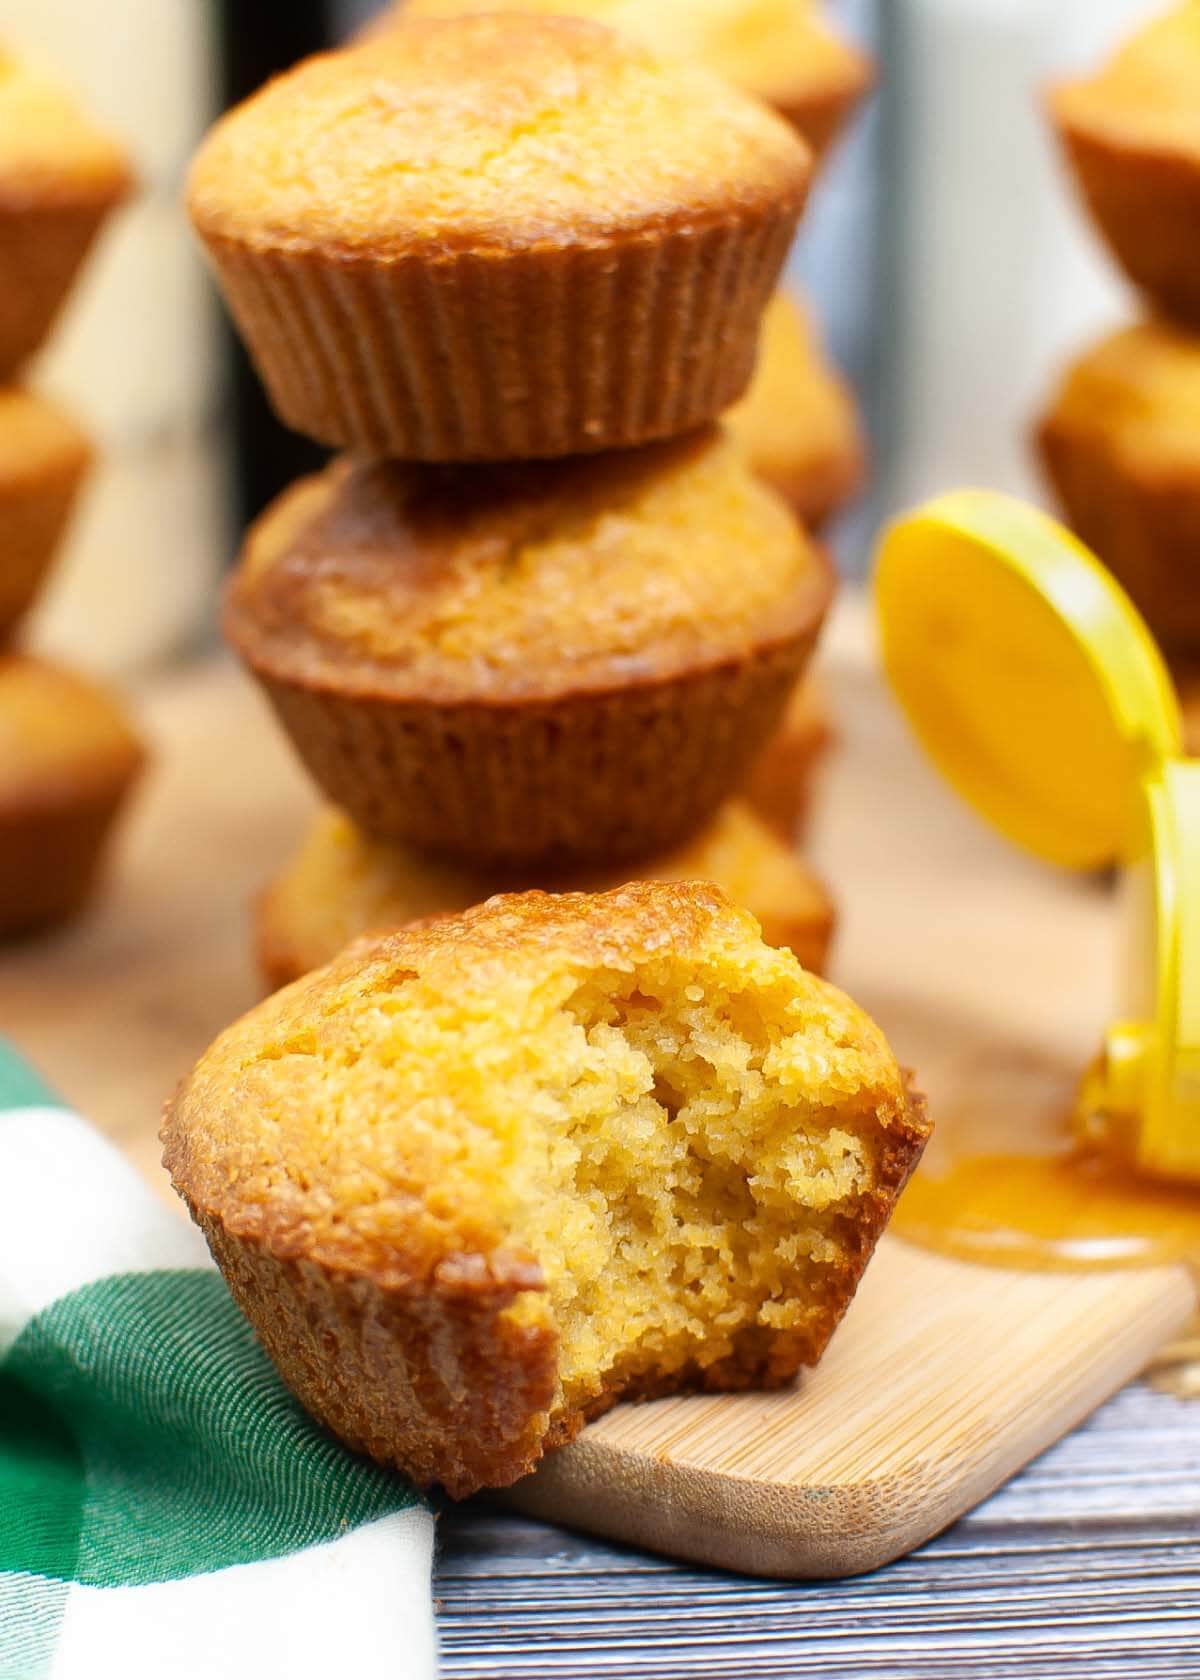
68	759
43	460
550	662
340	885
1121	445
478	1179
494	237
1132	136
797	423
780	51
60	177
783	779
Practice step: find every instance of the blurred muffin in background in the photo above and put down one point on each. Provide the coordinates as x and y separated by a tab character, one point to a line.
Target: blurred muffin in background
783	52
1131	134
798	423
44	458
341	884
60	176
782	782
1120	442
68	761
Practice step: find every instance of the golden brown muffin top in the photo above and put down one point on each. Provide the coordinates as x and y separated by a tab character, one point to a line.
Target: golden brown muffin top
61	735
376	1116
1147	96
37	439
51	152
1138	393
776	50
524	580
487	132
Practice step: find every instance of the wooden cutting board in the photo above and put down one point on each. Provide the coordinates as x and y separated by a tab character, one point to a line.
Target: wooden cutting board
988	972
943	1380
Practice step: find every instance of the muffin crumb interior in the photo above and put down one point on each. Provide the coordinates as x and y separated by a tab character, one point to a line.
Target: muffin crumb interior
679	1150
668	1172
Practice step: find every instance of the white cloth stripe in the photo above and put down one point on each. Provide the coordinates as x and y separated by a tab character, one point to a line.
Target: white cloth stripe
357	1606
72	1211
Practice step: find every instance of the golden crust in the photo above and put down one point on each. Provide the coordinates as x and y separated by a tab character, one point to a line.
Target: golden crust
401	1301
68	761
1120	443
487	133
1132	138
798	424
523	582
60	178
780	51
529	665
498	238
340	885
44	457
445	1371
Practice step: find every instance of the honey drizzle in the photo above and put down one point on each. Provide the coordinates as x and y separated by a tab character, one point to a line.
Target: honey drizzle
1005	1182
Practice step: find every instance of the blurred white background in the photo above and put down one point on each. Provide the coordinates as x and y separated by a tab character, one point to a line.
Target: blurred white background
993	276
137	353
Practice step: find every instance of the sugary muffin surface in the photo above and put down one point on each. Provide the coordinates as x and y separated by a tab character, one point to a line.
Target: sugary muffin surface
502	131
515	581
1148	94
565	1146
50	149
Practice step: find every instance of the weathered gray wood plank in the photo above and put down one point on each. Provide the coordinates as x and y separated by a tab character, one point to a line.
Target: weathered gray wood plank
1086	1565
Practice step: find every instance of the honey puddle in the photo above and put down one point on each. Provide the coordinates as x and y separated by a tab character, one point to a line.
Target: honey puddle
1005	1182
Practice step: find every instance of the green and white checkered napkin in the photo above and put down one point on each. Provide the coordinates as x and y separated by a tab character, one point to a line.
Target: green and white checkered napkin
166	1508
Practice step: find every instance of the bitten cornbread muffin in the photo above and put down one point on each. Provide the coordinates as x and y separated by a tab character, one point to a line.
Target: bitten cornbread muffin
44	458
68	759
551	662
498	237
340	885
1120	442
60	177
477	1180
797	423
780	51
1132	136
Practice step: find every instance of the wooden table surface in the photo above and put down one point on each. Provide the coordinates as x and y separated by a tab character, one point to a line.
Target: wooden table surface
1088	1564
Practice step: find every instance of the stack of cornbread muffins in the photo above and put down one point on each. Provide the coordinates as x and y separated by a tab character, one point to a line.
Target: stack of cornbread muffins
68	756
1120	439
798	422
538	623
